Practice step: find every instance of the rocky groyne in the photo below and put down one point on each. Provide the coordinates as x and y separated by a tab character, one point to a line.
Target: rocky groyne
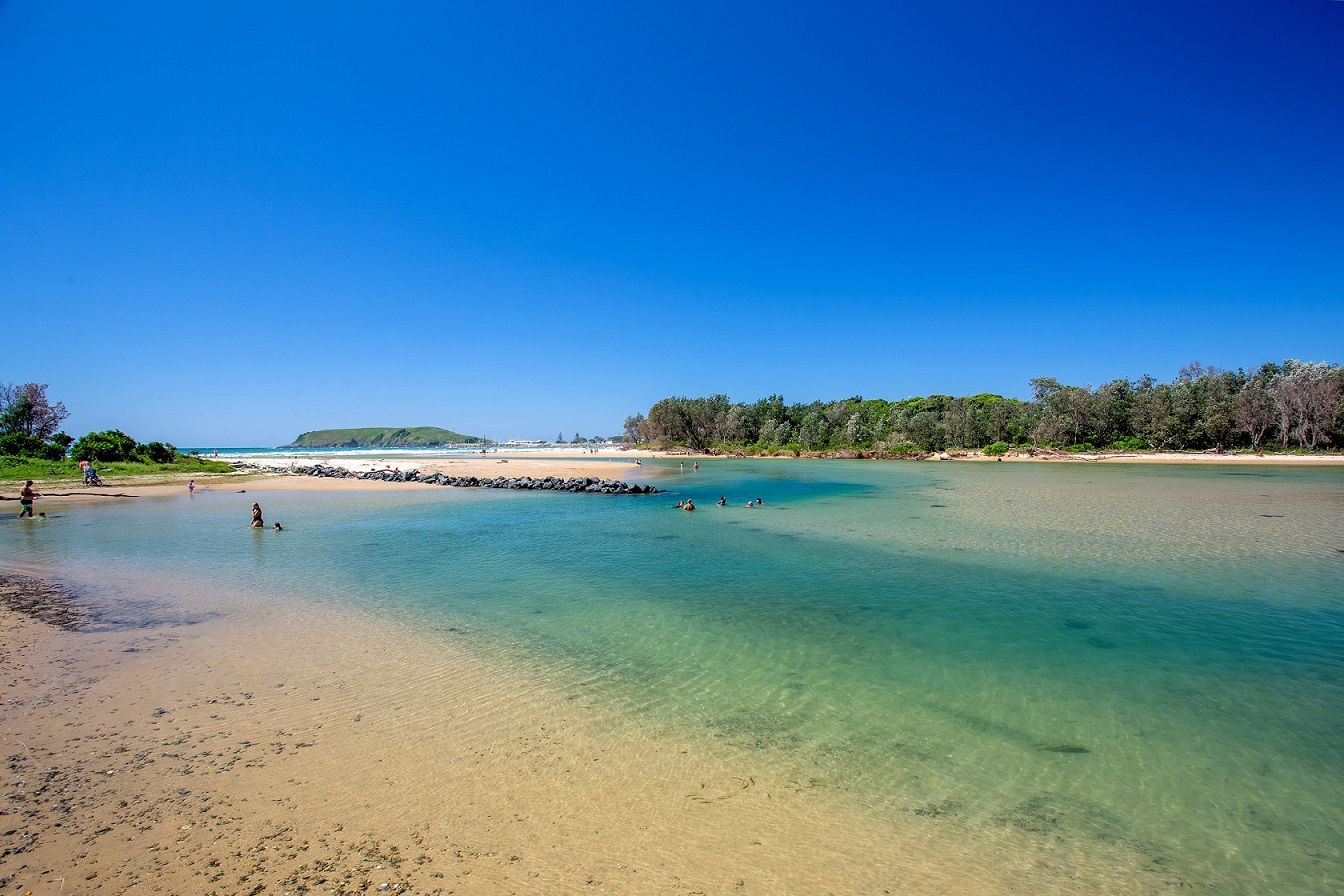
576	484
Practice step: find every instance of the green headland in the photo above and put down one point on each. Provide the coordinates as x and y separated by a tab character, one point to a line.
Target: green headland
383	437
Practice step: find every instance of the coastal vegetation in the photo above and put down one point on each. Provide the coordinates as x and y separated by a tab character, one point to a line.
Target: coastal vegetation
31	446
384	437
1285	407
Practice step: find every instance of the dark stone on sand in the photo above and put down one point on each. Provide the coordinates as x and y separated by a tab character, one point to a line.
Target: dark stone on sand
586	484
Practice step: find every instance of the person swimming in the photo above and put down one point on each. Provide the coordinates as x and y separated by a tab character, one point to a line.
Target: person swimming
688	505
723	501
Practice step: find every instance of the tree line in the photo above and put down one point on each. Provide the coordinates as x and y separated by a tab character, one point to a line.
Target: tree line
30	428
1293	405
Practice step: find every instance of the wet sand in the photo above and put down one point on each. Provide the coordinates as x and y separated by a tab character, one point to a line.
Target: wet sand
240	748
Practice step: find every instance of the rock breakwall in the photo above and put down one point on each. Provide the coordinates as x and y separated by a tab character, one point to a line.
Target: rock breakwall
575	484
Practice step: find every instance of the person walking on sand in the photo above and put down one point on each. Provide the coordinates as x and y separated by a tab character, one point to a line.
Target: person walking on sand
26	496
257	521
191	487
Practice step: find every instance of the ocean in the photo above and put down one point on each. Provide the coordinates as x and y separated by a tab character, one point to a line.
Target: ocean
1141	663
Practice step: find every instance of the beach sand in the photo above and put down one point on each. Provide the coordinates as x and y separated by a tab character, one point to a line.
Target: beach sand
241	748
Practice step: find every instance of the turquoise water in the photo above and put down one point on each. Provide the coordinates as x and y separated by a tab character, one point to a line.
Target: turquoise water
1142	660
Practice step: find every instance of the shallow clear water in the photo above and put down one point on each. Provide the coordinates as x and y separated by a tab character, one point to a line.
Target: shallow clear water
1144	659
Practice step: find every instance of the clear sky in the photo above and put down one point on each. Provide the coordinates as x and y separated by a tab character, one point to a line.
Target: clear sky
227	223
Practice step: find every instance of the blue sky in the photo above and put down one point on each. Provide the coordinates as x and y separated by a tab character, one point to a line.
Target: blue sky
225	224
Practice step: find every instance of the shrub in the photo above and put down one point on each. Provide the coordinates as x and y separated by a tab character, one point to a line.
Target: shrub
1129	443
159	453
904	449
105	447
20	444
996	449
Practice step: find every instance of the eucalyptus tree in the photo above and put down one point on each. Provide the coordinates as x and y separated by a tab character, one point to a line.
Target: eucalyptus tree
1254	406
26	410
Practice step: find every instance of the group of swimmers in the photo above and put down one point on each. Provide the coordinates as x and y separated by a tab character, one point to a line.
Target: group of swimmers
688	504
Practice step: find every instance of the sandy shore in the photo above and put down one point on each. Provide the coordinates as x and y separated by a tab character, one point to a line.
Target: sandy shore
264	747
362	758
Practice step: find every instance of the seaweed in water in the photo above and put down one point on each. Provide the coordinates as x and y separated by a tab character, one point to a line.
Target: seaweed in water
49	602
937	810
1049	813
1062	748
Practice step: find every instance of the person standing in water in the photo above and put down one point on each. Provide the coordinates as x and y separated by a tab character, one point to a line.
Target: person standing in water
26	496
257	521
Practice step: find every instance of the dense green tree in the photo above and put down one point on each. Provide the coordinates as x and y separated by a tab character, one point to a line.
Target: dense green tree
105	447
1203	408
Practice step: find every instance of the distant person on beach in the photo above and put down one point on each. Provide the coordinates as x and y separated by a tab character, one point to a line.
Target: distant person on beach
683	466
279	528
723	501
257	521
26	496
191	486
695	466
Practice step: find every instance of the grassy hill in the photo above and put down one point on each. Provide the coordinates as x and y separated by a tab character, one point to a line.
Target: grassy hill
382	437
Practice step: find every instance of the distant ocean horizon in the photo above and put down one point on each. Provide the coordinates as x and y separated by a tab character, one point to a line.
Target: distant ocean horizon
1139	665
